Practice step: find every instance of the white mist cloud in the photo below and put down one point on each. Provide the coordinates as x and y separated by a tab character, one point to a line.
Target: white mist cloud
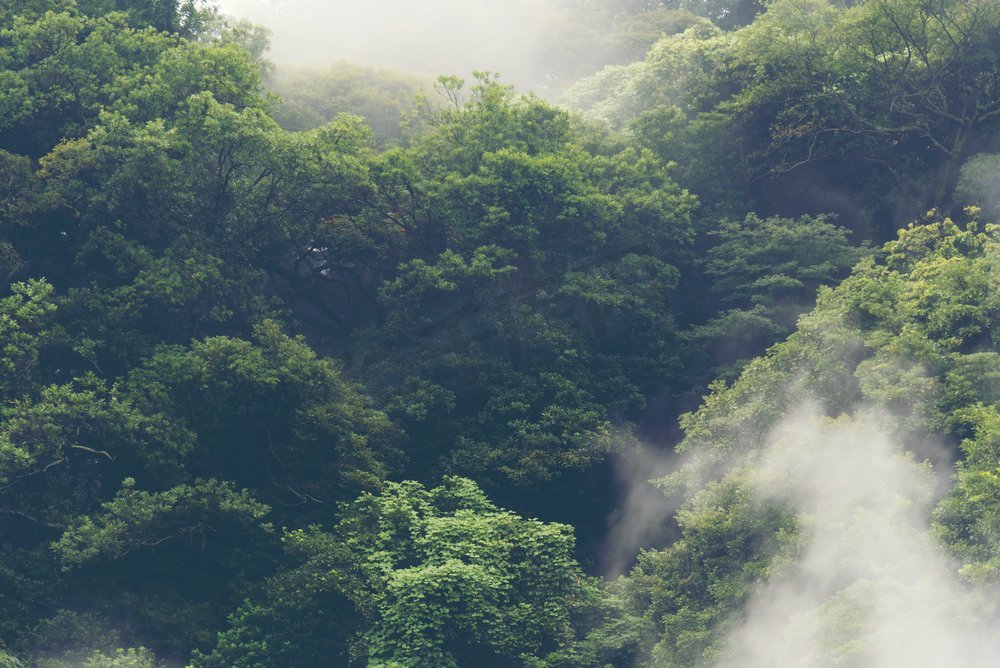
871	587
428	36
642	519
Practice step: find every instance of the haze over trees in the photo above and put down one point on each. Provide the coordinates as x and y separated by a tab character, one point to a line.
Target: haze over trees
345	378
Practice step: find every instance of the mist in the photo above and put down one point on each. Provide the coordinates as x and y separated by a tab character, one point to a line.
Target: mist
643	518
430	37
868	586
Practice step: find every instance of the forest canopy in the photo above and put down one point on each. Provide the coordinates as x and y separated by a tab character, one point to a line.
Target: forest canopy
311	367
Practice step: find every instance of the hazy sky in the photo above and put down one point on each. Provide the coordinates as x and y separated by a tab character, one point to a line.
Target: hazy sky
428	36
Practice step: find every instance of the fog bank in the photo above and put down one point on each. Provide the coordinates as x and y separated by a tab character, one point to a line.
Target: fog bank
425	36
871	587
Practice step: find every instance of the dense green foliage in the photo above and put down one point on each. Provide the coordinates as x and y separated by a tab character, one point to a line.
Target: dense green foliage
914	334
310	98
264	365
868	111
442	578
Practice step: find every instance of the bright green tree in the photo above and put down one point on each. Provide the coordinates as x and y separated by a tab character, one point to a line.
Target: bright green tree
425	577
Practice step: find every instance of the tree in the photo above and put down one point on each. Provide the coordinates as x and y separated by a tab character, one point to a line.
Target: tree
311	97
979	186
270	415
421	576
62	67
184	17
916	77
865	109
909	333
166	566
764	274
526	261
